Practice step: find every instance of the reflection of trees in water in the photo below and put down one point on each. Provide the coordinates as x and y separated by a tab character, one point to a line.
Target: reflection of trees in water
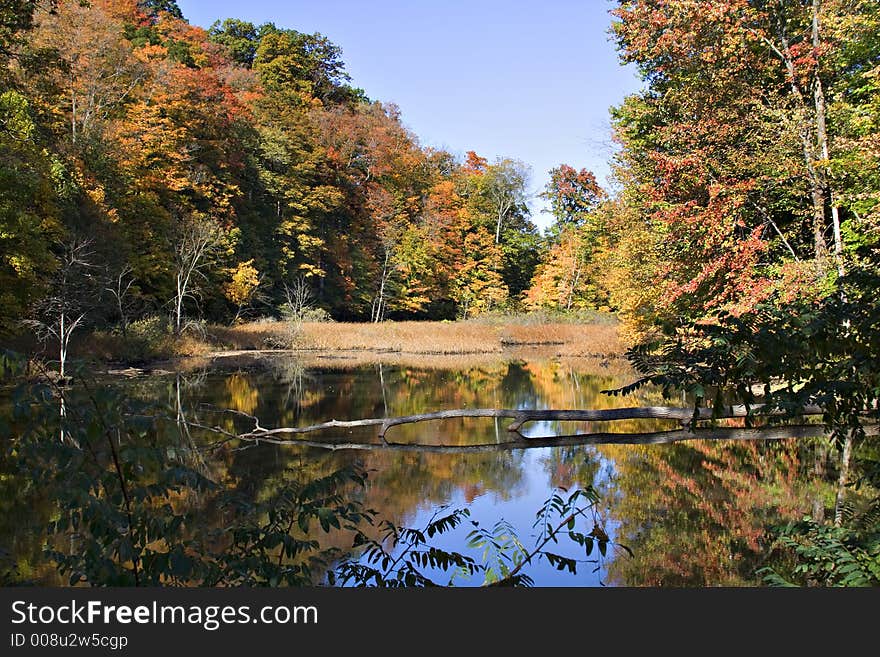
571	466
188	451
24	514
406	482
295	380
402	483
697	514
562	386
694	514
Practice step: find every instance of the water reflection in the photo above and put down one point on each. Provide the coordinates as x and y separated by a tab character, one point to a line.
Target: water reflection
693	514
697	514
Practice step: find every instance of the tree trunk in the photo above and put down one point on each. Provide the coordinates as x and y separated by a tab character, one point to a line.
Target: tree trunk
845	458
178	307
574	281
62	345
820	248
378	304
73	117
817	186
820	456
822	137
62	419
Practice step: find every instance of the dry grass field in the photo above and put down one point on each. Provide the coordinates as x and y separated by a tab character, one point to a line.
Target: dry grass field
598	339
431	343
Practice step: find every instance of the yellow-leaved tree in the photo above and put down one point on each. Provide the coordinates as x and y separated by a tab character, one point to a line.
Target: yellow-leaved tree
242	286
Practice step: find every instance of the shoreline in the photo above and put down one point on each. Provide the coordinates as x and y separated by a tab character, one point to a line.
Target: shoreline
321	344
249	359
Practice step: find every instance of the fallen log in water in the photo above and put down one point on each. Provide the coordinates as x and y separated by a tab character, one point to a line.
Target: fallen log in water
520	442
686	416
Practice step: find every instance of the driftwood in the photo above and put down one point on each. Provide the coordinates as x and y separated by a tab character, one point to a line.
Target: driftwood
685	416
657	438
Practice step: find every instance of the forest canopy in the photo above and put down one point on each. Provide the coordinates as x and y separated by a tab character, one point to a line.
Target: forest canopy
155	168
211	170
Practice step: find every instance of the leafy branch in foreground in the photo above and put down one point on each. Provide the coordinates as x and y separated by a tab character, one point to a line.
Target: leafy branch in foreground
827	556
403	556
781	356
379	566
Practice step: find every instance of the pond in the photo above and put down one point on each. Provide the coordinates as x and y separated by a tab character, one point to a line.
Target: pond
693	513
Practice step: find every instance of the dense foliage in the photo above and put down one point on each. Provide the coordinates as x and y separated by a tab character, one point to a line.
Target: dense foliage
744	244
211	170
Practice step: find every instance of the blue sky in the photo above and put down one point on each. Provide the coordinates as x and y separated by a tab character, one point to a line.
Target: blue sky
506	78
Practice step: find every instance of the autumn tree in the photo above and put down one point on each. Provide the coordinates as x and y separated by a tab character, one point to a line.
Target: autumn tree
98	73
241	290
293	192
497	199
153	8
853	111
734	139
301	65
504	186
29	212
719	208
123	119
445	223
563	278
478	285
745	174
240	38
16	19
572	195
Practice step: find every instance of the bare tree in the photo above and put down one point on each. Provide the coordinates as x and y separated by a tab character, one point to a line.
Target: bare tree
299	298
61	312
120	289
198	242
505	185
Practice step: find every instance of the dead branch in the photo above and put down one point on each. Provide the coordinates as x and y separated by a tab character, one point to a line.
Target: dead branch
521	416
656	438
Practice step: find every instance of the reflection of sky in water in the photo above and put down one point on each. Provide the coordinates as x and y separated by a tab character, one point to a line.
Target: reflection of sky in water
409	488
519	510
661	501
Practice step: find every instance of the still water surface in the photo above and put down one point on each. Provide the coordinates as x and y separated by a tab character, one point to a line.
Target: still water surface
693	513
